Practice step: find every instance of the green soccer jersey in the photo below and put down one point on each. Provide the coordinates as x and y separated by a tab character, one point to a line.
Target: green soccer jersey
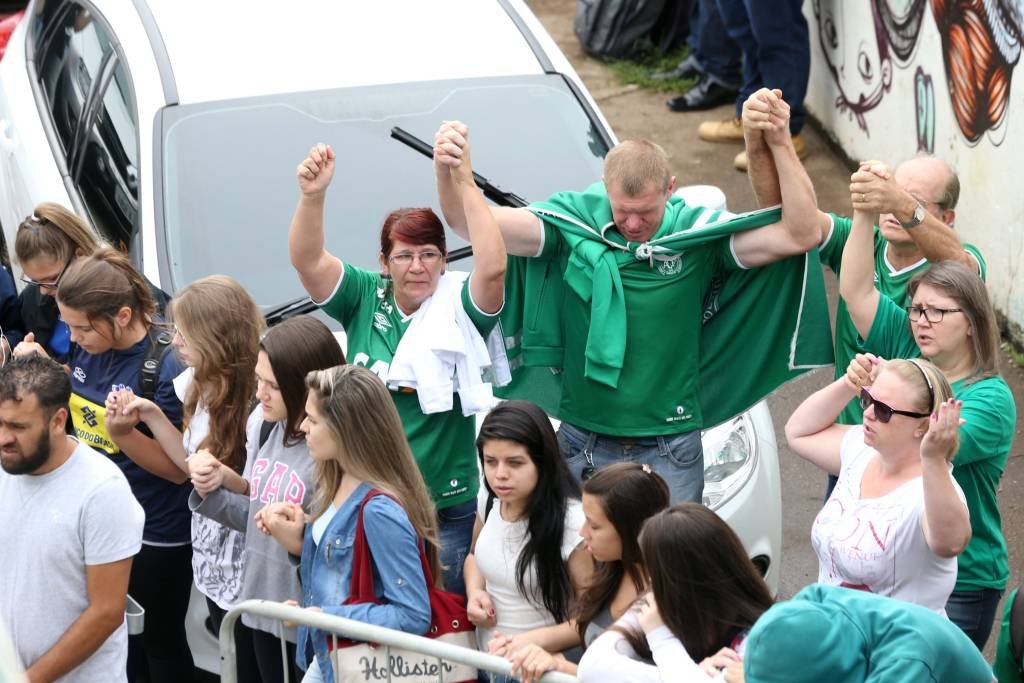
443	443
657	391
890	282
985	440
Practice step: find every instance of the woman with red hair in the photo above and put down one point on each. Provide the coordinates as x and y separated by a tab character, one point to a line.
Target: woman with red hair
412	298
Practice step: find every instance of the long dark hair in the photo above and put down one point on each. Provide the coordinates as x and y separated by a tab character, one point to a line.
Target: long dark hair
295	348
629	495
707	589
524	423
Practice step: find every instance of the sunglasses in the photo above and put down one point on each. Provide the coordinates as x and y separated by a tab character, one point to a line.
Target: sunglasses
883	412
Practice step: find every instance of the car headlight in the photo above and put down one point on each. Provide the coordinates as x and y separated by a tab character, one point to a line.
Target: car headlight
730	458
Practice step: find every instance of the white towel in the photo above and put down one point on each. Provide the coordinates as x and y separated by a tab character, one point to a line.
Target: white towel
442	352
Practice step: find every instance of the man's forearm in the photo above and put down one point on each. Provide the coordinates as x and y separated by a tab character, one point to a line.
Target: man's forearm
78	643
764	177
939	242
799	203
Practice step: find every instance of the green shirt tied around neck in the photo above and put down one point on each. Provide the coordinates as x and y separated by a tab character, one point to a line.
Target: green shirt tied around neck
661	337
889	282
985	440
444	444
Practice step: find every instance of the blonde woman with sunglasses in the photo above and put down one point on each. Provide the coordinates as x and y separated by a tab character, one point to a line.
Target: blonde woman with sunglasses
948	319
897	519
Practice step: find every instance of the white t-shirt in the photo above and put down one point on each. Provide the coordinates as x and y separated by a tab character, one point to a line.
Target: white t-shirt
611	658
878	544
51	527
217	551
497	551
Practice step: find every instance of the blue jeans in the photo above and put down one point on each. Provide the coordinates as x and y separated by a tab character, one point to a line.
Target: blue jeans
677	458
713	52
455	525
775	42
974	612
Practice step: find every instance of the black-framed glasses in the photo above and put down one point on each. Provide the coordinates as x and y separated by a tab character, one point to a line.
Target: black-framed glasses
883	412
932	315
405	258
50	285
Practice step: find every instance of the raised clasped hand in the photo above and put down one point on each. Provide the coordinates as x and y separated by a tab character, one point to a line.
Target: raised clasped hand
943	438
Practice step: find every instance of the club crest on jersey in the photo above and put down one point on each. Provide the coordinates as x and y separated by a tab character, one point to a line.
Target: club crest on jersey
671	266
381	322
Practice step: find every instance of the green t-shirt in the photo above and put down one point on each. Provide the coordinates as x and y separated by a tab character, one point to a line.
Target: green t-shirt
443	443
657	391
985	440
889	282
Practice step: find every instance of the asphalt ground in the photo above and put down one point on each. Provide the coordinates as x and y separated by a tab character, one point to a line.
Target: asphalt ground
635	112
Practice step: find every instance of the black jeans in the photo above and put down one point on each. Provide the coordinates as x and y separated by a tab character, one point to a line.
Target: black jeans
264	651
161	581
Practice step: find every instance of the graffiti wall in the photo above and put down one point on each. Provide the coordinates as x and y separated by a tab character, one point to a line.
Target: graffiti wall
891	78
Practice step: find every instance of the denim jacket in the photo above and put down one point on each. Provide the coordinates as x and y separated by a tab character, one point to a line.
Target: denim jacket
326	571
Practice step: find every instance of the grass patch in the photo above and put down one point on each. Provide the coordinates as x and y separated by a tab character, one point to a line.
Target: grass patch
645	60
1016	356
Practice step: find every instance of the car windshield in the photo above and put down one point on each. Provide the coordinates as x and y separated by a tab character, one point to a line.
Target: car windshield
228	187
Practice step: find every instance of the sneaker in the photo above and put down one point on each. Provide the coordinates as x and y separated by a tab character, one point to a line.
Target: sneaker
740	162
729	130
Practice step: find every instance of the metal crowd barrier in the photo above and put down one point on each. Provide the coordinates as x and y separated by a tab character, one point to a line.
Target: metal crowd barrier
357	630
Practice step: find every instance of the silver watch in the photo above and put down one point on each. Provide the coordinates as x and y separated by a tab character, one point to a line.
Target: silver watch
915	218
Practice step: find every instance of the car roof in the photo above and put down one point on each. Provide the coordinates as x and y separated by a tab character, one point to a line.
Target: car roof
321	44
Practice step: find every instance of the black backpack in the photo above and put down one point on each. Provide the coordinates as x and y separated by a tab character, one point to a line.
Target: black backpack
610	28
149	373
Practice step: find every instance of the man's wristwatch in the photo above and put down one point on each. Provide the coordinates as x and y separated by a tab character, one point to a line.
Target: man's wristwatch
915	218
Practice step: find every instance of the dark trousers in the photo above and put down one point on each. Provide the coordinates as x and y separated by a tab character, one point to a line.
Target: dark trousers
161	581
455	526
258	657
774	40
714	53
974	612
264	649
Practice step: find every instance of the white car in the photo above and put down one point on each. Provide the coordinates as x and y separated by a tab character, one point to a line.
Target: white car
175	126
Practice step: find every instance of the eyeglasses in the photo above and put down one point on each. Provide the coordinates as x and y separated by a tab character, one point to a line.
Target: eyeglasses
932	315
883	412
177	332
49	285
405	258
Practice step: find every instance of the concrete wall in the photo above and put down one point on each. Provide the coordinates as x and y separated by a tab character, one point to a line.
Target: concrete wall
890	78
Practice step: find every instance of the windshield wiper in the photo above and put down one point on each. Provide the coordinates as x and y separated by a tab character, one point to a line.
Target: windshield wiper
491	190
289	309
303	304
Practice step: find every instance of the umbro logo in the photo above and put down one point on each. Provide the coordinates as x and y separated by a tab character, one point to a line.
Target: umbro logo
381	322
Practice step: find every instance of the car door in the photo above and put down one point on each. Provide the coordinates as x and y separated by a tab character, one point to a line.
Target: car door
28	171
87	111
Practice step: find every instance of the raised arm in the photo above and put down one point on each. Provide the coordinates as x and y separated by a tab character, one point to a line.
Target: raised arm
520	229
761	170
318	269
812	432
947	526
800	229
488	281
876	191
857	274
